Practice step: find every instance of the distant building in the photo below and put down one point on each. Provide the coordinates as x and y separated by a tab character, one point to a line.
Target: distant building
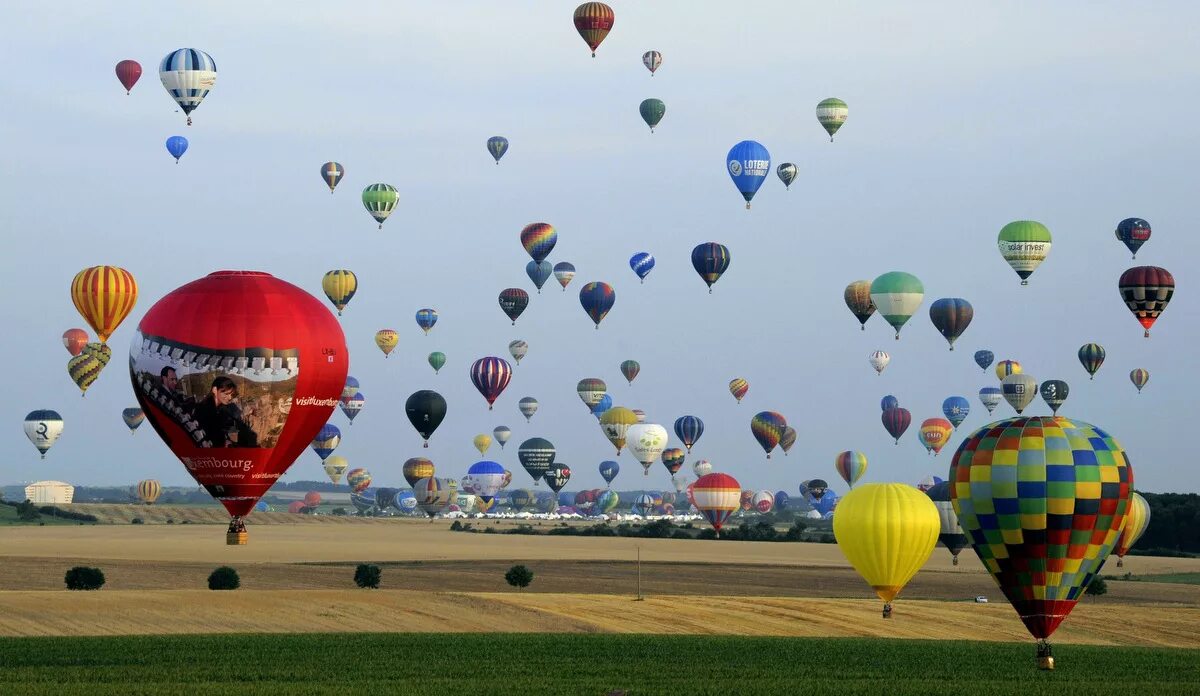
50	493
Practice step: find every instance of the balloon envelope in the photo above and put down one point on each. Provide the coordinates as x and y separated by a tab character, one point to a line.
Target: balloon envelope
887	531
748	164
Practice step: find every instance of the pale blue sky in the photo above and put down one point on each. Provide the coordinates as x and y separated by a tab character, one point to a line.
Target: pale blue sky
963	116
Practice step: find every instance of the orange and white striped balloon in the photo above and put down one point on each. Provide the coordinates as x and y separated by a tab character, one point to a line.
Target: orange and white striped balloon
717	496
104	296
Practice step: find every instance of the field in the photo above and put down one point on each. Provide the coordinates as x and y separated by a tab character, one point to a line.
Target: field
574	664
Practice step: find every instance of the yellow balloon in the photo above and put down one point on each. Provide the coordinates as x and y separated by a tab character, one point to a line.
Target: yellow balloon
1137	518
339	287
336	465
887	531
387	339
615	422
482	443
1005	368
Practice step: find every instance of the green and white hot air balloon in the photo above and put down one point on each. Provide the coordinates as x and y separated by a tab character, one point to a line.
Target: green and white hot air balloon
380	200
832	113
1024	244
897	296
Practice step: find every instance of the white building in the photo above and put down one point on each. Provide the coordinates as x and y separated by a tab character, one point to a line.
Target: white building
50	493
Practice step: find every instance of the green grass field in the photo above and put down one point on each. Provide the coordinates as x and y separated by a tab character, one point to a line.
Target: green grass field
1177	578
575	664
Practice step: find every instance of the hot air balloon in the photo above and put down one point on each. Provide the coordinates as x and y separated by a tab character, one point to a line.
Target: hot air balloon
539	273
614	423
607	501
652	111
630	369
502	433
850	466
688	429
744	500
563	273
887	402
1133	232
763	502
237	341
929	482
1146	290
128	72
486	479
387	340
642	263
513	301
331	174
426	318
326	440
1140	378
788	439
1024	244
352	406
497	145
767	427
896	421
536	455
1137	519
104	296
710	260
1091	356
984	358
339	286
787	174
538	239
351	387
176	146
380	200
362	503
647	441
385	497
1005	368
717	497
188	74
673	459
748	164
897	295
148	491
831	114
593	21
297	507
558	476
482	442
602	406
858	300
1054	393
425	410
951	316
85	367
1019	390
950	533
437	360
43	428
887	531
990	397
416	469
358	479
935	433
956	409
133	417
609	470
597	299
335	466
879	360
527	406
1028	494
74	340
738	387
517	349
433	495
312	499
702	468
490	376
652	60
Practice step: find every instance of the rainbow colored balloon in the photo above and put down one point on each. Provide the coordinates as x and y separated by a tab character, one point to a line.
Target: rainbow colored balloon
738	387
850	466
358	479
768	427
539	239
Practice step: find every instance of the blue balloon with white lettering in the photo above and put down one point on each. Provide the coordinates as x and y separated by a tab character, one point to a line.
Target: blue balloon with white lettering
177	145
642	263
609	470
602	405
748	164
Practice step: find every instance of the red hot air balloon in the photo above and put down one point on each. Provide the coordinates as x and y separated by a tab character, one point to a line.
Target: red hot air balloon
1146	291
128	72
312	499
74	340
237	372
490	376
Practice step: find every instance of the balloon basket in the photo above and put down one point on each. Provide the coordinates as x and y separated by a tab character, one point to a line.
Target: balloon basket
236	538
1045	657
887	610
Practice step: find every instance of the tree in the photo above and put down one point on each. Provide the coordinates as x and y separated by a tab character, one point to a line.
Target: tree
1097	587
367	576
28	512
84	578
519	576
224	578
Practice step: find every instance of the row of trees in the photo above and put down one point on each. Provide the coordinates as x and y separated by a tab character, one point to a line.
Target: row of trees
1174	525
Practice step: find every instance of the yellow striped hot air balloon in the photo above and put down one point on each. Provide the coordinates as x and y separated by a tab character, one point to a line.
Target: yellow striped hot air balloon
339	286
615	422
148	491
104	296
1137	518
887	531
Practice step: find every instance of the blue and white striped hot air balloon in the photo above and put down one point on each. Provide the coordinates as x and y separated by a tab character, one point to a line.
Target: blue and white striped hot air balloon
188	74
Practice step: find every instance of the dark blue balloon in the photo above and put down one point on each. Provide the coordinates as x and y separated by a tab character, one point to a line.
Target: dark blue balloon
608	471
642	263
748	164
781	500
889	401
177	145
601	406
956	408
984	358
539	273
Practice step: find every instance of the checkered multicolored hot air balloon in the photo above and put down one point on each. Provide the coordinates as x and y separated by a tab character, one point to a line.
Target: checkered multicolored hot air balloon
673	459
1043	500
716	496
104	296
1146	290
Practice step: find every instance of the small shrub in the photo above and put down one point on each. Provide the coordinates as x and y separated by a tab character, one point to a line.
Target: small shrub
1097	587
707	533
489	530
84	578
28	512
680	534
224	578
339	512
456	526
367	576
170	520
136	520
186	522
519	576
828	539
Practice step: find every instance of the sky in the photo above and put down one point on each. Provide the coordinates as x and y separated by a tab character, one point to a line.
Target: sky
963	117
